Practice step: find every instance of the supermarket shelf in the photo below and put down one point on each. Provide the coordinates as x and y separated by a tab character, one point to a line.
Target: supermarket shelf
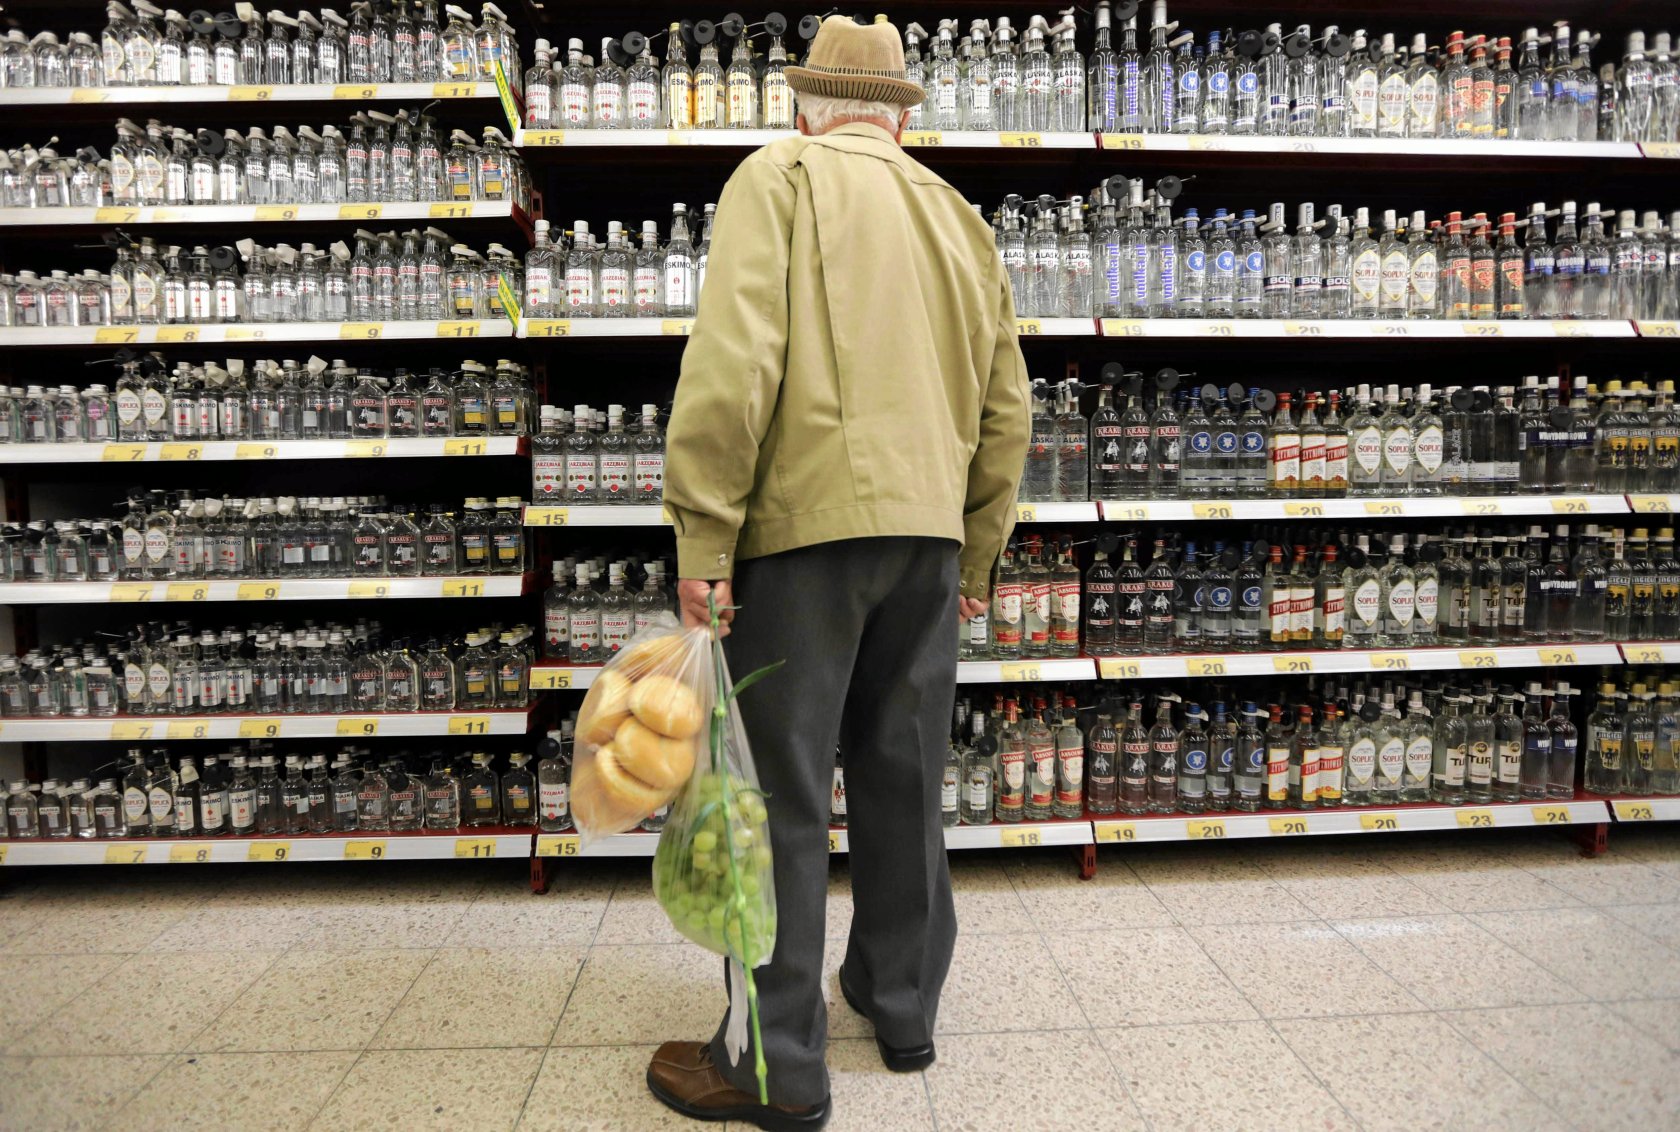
286	92
1013	671
265	589
595	515
358	726
1480	150
1658	329
1654	504
1645	809
218	450
1349	660
1057	513
1357	328
636	843
752	139
682	327
998	835
321	332
553	676
1409	507
490	841
1374	819
256	213
1651	652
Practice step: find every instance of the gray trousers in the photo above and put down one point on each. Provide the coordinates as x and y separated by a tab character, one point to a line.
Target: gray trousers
869	631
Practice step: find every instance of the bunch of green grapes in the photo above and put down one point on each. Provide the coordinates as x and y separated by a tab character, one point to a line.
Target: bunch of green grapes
691	876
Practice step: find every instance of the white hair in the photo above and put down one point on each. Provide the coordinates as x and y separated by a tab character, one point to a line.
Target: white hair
822	111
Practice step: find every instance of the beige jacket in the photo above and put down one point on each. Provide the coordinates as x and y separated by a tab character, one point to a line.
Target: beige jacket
854	369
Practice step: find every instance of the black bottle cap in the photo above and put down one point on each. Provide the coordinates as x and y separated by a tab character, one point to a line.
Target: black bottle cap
1484	400
1265	400
1168	187
1236	392
617	53
634	42
1211	393
1250	43
1296	45
1124	9
704	32
1356	557
1371	712
775	23
732	25
1166	379
1463	400
808	26
229	25
1559	417
210	143
1337	45
1119	189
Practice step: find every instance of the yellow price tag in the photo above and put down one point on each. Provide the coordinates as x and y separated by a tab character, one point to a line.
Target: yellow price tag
131	591
1027	327
115	215
1562	328
269	851
187	591
1659	329
1122	141
550	679
1026	513
361	330
1556	655
834	841
270	212
259	729
1304	510
567	845
1391	330
1211	510
1390	662
250	93
1385	509
1016	140
1644	654
1020	838
1287	827
1475	819
258	591
454	90
453	210
1379	822
1204	829
364	850
1668	150
116	335
1212	142
545	137
457	329
1218	329
547	517
1648	504
255	452
125	854
1125	511
1205	666
3	849
360	211
189	854
921	139
1123	328
180	451
1570	506
369	589
363	449
244	333
88	94
128	729
187	730
676	327
1016	671
1481	507
469	725
548	328
1302	330
463	587
176	334
1482	330
1116	831
358	727
475	846
355	92
1478	658
1551	815
1634	811
123	453
463	446
665	515
1110	668
1292	664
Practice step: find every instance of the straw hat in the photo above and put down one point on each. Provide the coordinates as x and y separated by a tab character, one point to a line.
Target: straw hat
849	60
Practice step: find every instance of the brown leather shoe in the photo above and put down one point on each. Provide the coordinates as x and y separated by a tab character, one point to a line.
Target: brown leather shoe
683	1077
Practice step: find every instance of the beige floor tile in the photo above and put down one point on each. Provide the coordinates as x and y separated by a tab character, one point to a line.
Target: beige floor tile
1167	1071
837	914
649	993
634	916
1336	885
1427	955
987	901
484	997
1656	847
1412	1071
346	926
1145	977
215	928
864	1091
149	1003
1610	879
1657	1018
1057	900
1588	950
37	985
1005	982
980	1083
71	923
843	1021
1476	877
70	1094
1301	970
451	1090
1659	921
597	1089
569	914
313	1000
1200	888
1596	1069
262	1092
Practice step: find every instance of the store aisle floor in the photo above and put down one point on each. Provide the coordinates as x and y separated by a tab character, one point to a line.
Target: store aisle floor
1473	981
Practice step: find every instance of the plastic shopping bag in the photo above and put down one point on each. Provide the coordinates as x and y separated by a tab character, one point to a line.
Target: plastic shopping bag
641	728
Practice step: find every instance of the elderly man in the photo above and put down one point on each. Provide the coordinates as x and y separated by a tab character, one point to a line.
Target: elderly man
849	429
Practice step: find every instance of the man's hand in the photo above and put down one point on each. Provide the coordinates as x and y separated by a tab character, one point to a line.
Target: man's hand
691	595
968	608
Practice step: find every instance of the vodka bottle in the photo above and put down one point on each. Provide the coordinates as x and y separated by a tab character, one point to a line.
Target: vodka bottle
1284	478
1187	101
1275	247
1301	77
1393	93
740	88
1423	94
1273	70
1038	480
1338	271
1251	266
1254	451
1306	266
1196	478
1367	94
1157	86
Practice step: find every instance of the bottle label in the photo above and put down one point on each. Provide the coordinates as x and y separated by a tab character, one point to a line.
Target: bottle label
1043	773
1391	760
552	801
1367	605
1420	758
650	476
580	476
1401	599
1336	459
1396	277
1425	603
1313	448
1361	761
1368	450
615	287
615	475
548	475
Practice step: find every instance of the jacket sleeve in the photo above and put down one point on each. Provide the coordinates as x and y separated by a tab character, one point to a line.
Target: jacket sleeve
995	470
732	370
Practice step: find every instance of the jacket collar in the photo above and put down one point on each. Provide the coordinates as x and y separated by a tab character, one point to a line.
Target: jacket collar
881	140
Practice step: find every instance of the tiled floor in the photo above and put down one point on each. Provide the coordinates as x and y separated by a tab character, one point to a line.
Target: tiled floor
1452	982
